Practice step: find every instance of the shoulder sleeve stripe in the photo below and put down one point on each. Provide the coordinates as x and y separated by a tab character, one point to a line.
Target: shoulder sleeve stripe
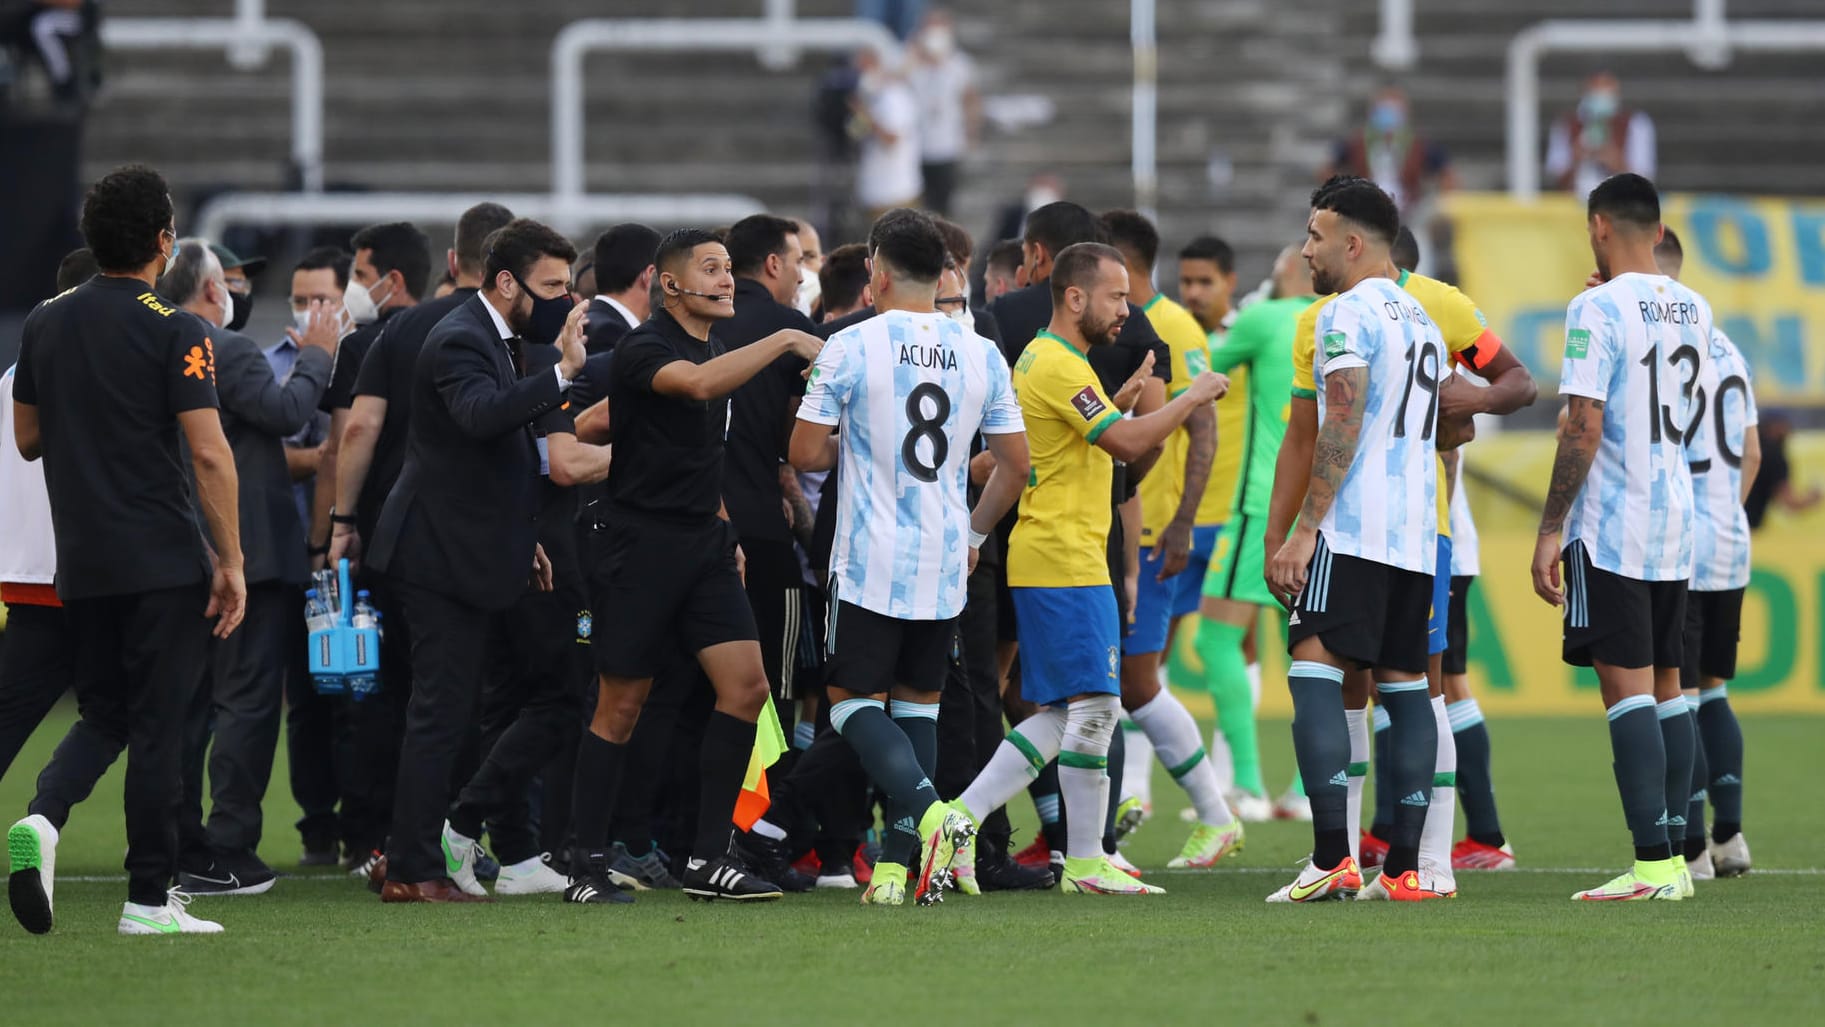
1299	393
1102	426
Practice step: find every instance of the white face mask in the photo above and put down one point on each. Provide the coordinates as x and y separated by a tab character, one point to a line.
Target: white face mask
960	313
227	303
360	303
809	289
301	320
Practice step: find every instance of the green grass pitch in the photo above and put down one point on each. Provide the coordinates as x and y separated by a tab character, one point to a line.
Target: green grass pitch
321	950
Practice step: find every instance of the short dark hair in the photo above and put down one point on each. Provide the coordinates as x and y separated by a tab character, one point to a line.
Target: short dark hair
1131	232
754	238
1362	202
77	267
124	214
1062	224
473	229
1078	264
321	257
679	245
1405	251
1004	257
957	241
1670	245
1213	249
843	276
910	242
523	243
1626	197
397	246
622	253
188	271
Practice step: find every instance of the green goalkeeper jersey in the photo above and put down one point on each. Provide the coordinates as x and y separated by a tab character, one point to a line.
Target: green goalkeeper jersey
1262	339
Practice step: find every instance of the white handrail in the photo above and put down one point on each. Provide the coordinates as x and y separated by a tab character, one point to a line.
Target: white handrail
1718	39
757	35
1394	45
1144	155
362	208
229	34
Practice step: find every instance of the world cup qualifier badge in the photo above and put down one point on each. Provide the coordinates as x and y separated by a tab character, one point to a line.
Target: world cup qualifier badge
584	625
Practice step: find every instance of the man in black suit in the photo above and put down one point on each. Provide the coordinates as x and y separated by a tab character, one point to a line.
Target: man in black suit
242	706
458	534
369	459
624	282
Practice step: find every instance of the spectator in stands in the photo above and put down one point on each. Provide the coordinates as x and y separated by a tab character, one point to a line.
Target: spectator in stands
1774	481
887	122
950	110
237	720
624	283
844	281
1599	138
1387	150
1001	275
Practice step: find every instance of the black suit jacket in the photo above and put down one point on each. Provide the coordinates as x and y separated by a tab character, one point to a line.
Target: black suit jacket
258	412
606	327
984	323
463	518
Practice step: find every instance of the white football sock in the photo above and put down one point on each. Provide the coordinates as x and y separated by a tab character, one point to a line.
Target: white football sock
1358	721
1254	685
1083	773
1017	761
1175	735
1222	760
1137	764
1441	815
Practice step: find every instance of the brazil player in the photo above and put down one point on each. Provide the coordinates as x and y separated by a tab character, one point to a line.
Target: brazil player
1169	497
1058	573
1724	453
1619	519
908	390
1260	343
1357	568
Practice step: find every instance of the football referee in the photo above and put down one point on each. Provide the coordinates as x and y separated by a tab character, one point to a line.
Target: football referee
667	570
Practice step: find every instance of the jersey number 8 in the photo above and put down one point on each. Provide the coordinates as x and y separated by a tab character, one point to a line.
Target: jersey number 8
930	428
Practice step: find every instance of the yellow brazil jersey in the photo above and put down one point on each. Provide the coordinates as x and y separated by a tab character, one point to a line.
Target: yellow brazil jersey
1463	326
1164	486
1062	536
1232	426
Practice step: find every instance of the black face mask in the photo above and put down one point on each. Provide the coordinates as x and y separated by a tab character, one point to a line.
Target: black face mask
546	321
243	309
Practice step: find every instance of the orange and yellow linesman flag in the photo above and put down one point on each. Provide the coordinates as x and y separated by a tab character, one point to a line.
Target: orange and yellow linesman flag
769	746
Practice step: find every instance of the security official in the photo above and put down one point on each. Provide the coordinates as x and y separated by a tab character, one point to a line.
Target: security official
109	375
624	284
666	567
459	536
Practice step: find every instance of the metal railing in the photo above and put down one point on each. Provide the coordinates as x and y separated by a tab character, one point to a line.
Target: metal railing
1394	45
1708	38
1144	149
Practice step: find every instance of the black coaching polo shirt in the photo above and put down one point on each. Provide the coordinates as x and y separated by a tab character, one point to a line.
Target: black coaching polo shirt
109	366
668	450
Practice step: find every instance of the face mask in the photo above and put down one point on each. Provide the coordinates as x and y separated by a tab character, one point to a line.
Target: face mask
809	289
546	322
960	312
1387	116
243	309
1598	106
939	42
227	305
360	303
301	320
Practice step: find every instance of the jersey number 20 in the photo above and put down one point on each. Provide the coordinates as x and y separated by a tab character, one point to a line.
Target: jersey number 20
930	428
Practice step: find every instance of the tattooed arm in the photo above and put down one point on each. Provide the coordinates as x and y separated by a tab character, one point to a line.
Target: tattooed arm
1201	431
1345	395
1580	432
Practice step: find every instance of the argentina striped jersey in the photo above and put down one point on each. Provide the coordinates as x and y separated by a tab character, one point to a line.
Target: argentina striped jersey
1725	401
908	392
1639	343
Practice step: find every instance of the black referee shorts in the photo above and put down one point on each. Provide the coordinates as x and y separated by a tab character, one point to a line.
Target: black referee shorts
869	653
1368	613
1457	625
659	588
1714	623
1622	622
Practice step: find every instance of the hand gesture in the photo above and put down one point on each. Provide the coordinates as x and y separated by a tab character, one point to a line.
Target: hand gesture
571	353
1130	393
803	345
1209	386
323	329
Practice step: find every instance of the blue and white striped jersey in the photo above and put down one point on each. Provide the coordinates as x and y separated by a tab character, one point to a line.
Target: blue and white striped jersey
1386	510
1639	343
908	393
1726	415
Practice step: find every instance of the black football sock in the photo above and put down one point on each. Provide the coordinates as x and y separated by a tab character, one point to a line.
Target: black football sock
728	744
1695	807
1412	759
1723	738
1475	782
1678	737
1640	764
1049	802
1321	743
1118	754
593	793
888	755
1383	824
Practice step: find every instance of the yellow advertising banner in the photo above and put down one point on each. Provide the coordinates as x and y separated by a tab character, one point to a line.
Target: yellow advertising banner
1760	262
1515	666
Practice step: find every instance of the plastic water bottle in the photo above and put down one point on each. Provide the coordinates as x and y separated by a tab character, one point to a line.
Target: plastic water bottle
365	616
317	615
